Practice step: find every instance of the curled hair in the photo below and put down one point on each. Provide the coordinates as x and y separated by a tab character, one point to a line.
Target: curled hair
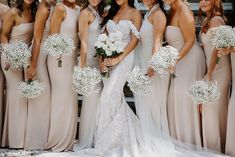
217	10
114	9
34	7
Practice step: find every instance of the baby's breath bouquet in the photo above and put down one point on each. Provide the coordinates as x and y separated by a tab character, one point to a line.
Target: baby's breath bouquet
222	37
85	80
161	61
203	92
58	45
16	55
31	89
139	82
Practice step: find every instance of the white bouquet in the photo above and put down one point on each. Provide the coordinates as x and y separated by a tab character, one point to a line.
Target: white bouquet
16	54
85	80
222	37
138	82
109	46
165	57
203	92
31	89
58	45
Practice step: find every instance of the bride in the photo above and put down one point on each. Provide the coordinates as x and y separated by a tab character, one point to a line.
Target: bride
118	129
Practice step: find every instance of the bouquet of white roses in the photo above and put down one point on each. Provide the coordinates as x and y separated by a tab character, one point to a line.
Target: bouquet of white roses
109	46
31	89
138	82
58	45
203	92
222	37
165	57
85	80
16	54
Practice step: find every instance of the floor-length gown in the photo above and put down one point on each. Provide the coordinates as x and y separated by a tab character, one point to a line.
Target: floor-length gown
38	121
3	11
1	94
155	102
64	103
230	137
183	115
214	115
118	131
90	103
16	105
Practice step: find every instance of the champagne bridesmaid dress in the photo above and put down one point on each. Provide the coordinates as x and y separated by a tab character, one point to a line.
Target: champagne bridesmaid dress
230	140
154	104
183	115
90	103
3	11
38	121
64	103
16	105
1	93
214	115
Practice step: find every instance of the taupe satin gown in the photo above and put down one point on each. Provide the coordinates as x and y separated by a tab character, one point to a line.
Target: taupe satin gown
16	105
230	137
38	121
183	115
214	115
3	11
64	103
90	103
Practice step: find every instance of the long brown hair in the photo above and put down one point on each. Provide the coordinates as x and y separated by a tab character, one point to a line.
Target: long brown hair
217	10
101	6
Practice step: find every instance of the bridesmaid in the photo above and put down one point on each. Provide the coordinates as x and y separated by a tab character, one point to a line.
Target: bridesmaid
229	149
182	113
3	11
17	26
39	108
152	32
89	29
64	107
214	116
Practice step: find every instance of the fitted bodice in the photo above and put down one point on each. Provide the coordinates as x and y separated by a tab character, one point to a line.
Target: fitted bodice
69	24
146	42
46	31
93	32
22	32
174	37
126	27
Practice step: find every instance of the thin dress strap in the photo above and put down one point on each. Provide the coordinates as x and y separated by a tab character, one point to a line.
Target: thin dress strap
95	13
151	10
218	17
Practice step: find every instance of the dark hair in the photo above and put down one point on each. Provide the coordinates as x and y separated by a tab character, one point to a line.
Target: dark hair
101	6
114	9
161	5
34	7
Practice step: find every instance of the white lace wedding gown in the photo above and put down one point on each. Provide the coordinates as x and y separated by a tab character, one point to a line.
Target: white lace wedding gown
118	131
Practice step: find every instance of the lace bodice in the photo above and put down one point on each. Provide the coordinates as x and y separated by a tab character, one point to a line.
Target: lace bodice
126	27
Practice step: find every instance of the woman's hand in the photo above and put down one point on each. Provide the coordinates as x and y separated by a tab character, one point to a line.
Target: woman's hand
109	62
31	72
150	72
208	77
224	51
103	68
